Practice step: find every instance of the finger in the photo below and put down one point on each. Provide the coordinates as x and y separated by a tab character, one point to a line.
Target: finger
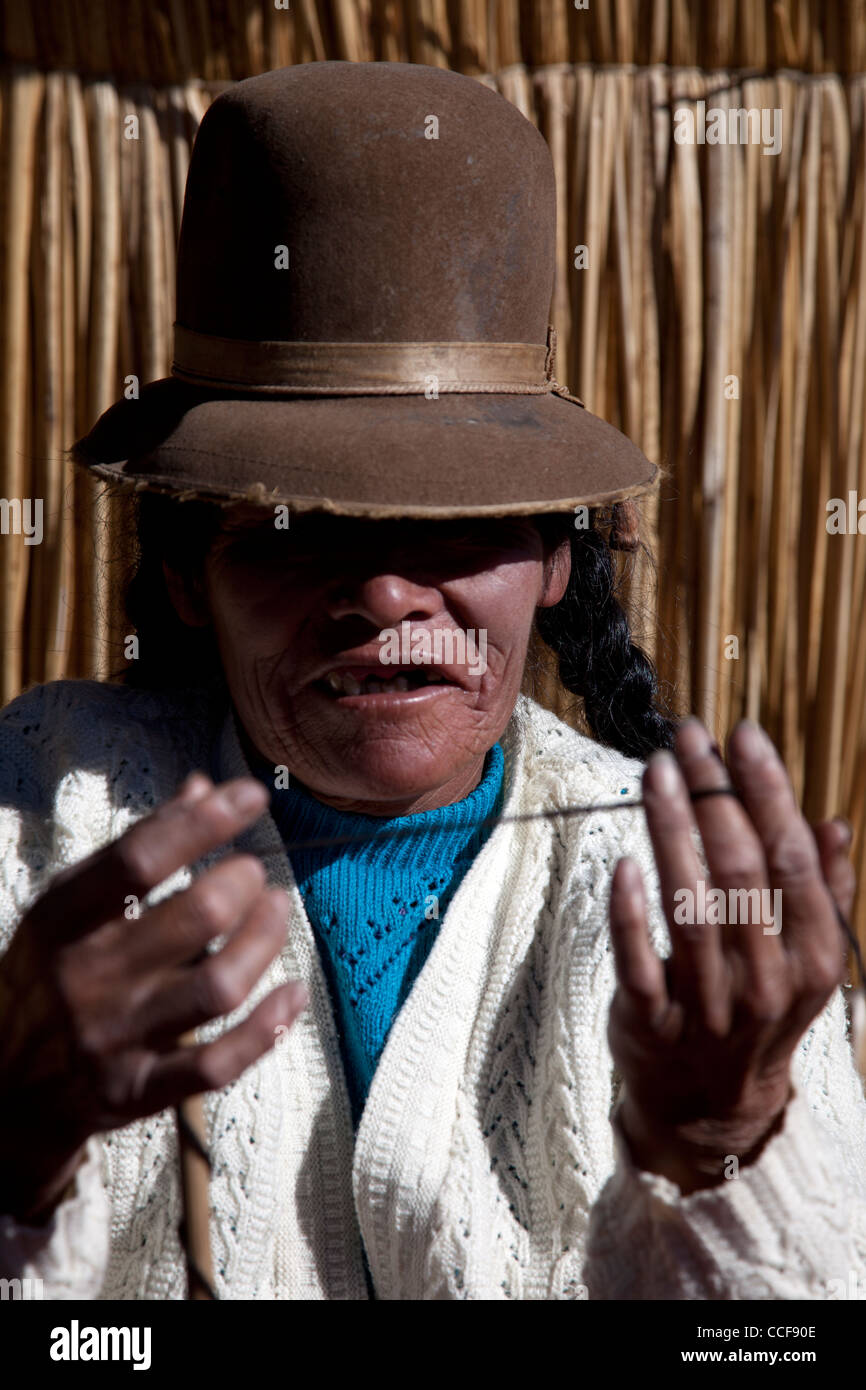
176	931
735	858
809	922
697	966
194	787
639	971
219	984
177	834
833	838
210	1066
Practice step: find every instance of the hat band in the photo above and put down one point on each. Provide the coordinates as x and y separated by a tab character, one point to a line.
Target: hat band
388	369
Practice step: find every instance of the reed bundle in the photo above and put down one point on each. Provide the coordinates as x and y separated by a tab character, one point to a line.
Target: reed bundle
149	40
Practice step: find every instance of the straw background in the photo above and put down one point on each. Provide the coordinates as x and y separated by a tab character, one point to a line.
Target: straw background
703	263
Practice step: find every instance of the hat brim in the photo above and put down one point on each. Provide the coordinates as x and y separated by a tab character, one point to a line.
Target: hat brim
374	456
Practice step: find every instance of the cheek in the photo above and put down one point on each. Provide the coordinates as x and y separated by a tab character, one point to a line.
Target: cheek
251	618
505	605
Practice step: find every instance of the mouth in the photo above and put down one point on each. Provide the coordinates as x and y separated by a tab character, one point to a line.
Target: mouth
371	681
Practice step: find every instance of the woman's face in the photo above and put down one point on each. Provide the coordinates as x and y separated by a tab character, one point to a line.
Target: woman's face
378	661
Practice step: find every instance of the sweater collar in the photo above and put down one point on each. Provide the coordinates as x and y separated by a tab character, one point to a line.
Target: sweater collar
435	834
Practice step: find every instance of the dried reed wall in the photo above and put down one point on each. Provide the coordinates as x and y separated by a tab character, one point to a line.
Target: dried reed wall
719	317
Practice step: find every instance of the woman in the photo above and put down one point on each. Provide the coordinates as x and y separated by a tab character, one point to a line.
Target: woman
451	1046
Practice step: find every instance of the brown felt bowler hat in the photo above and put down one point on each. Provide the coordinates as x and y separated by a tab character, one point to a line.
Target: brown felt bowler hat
365	272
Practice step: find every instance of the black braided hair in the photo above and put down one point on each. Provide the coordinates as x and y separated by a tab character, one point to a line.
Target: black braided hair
588	632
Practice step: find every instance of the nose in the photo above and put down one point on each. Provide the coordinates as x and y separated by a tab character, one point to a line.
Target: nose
385	600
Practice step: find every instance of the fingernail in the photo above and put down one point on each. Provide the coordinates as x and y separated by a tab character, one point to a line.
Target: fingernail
754	743
300	996
698	732
194	787
629	878
691	721
245	796
665	773
846	826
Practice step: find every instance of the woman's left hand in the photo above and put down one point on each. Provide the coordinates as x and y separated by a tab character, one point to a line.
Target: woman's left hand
704	1041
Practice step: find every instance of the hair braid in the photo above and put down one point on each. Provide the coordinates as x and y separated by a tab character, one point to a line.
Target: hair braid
589	633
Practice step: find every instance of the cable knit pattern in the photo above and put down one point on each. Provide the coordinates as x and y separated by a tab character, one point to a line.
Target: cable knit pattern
487	1162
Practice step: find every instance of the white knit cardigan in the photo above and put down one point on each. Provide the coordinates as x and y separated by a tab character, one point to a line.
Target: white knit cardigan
487	1164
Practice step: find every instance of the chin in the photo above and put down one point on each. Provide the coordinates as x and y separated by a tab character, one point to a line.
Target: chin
375	774
385	771
356	752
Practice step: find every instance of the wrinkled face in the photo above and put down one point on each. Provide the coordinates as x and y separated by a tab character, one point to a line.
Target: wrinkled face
378	661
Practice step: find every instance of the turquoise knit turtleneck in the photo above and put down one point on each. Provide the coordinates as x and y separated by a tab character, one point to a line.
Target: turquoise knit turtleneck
375	906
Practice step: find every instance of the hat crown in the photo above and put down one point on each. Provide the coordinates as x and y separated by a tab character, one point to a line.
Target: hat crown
367	202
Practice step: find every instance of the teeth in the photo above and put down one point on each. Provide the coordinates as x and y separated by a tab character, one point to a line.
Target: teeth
344	683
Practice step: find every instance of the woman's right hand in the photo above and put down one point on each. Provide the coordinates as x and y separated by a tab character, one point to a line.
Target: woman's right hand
94	1000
